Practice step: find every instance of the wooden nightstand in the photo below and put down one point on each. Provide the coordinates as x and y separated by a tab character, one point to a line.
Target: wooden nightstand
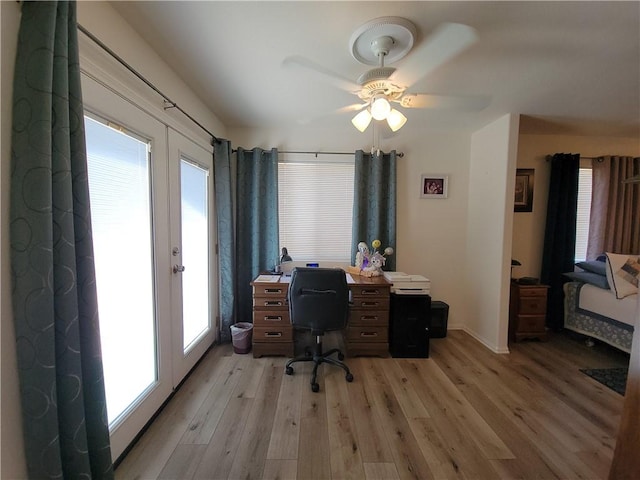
527	311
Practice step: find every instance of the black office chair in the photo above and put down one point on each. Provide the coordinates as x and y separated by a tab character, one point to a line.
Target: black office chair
319	301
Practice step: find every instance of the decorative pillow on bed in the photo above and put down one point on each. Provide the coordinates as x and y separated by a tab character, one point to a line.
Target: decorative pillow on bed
589	277
594	266
622	274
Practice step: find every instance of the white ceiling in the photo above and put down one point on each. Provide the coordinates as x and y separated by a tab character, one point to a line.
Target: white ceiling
570	67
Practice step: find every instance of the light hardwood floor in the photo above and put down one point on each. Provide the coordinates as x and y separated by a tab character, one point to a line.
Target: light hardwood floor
462	413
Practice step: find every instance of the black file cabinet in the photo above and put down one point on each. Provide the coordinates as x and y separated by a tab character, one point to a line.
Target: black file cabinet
409	321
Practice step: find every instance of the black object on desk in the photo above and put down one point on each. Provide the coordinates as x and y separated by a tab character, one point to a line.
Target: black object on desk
409	323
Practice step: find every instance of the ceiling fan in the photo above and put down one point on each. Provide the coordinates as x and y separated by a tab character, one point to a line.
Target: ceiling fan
387	40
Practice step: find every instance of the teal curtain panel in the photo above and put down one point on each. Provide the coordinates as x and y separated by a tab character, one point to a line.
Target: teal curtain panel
257	222
226	246
374	203
54	295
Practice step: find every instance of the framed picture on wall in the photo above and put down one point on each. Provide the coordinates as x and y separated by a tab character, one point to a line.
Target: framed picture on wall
434	186
523	201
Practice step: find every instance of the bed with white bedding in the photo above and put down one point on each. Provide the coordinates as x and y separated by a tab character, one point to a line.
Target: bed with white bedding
601	301
597	313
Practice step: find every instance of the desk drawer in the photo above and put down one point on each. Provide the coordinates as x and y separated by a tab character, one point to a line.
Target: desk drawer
270	290
271	318
373	303
369	317
281	333
370	290
373	334
270	303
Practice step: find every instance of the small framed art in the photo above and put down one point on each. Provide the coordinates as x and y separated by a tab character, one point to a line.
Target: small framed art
523	201
434	186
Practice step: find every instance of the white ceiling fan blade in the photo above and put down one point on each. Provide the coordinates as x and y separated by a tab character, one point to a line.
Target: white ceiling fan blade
447	41
318	71
346	109
452	102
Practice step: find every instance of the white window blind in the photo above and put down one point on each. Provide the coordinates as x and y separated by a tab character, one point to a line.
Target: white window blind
315	201
584	213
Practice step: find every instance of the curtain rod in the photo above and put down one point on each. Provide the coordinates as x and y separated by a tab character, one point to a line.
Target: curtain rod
399	154
167	100
549	157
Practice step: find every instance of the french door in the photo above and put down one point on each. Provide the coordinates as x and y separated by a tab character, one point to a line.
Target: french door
191	233
151	205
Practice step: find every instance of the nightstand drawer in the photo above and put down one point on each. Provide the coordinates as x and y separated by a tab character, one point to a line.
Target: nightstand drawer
533	305
531	323
533	291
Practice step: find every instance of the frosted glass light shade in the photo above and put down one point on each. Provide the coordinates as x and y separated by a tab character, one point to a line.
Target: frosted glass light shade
362	120
396	120
380	108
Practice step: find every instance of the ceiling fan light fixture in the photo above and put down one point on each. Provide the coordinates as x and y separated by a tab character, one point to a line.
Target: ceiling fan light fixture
396	120
380	107
362	120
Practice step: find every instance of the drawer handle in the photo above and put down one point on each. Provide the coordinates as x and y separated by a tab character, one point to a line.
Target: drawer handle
368	334
273	318
272	303
374	291
369	317
370	304
273	334
273	290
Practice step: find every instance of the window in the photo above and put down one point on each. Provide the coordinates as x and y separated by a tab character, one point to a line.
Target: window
315	202
584	212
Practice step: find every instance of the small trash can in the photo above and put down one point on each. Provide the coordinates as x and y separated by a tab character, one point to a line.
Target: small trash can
241	334
439	319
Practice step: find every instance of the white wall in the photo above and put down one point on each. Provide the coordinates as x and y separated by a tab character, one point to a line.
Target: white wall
528	228
485	268
430	233
108	26
105	23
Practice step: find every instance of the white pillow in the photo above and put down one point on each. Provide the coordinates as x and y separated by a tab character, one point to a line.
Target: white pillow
622	274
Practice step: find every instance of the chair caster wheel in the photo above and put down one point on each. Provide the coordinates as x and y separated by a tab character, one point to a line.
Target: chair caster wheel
288	370
349	377
340	356
315	387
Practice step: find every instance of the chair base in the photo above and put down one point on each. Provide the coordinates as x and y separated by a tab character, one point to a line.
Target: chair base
318	358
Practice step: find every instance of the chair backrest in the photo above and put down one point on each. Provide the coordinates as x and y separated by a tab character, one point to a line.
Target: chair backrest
319	299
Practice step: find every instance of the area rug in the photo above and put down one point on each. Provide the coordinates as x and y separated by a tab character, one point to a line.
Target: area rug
614	378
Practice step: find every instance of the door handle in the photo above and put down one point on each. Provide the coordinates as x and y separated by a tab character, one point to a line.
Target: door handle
178	268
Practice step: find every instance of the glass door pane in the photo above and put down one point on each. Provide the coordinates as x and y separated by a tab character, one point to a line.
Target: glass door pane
196	317
193	282
120	193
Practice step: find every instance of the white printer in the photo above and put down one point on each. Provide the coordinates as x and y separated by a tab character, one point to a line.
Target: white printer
402	283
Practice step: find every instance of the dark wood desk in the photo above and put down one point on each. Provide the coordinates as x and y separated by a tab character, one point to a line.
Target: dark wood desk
367	332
